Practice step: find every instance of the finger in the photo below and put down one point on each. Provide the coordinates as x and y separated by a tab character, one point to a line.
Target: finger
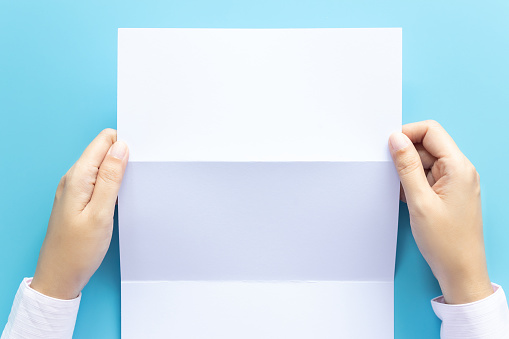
83	173
109	179
409	167
433	137
430	177
427	159
95	152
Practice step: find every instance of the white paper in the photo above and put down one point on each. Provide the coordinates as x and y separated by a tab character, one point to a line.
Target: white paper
259	95
260	200
258	310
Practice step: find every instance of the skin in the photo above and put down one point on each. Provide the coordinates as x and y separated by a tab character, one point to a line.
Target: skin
439	184
81	222
442	190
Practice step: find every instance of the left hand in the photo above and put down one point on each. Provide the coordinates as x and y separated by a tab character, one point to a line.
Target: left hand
81	222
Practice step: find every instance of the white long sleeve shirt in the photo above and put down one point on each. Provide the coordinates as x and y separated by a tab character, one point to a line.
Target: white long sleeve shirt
35	315
483	319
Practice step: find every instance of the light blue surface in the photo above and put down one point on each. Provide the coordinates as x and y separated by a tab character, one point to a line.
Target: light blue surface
58	90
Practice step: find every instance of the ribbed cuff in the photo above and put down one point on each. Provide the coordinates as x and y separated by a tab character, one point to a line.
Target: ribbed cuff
483	319
35	315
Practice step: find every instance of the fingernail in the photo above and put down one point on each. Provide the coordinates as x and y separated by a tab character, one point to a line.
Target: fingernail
118	150
398	141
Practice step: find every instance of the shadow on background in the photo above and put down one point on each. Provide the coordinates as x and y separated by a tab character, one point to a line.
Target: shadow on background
412	297
99	314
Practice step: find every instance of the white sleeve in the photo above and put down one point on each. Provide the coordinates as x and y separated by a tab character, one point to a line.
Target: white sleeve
35	315
483	319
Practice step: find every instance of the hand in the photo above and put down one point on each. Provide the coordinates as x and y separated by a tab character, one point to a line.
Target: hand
441	188
81	222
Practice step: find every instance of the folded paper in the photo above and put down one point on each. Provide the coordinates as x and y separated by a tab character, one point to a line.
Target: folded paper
260	200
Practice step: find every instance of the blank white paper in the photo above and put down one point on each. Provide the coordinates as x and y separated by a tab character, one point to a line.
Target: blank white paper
260	200
259	94
258	310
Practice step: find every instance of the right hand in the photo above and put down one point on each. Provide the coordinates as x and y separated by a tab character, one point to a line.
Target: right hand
442	190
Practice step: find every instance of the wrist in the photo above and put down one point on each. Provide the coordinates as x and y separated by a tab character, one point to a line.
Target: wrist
55	288
463	289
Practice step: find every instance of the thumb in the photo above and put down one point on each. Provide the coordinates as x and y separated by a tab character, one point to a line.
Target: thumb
409	166
109	178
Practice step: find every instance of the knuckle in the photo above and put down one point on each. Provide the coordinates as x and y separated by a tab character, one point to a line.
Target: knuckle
473	173
467	169
69	176
80	174
433	124
475	179
477	190
407	165
455	164
109	133
60	187
62	181
110	172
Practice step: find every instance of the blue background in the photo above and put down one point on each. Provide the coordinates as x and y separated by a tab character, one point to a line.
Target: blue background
58	90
